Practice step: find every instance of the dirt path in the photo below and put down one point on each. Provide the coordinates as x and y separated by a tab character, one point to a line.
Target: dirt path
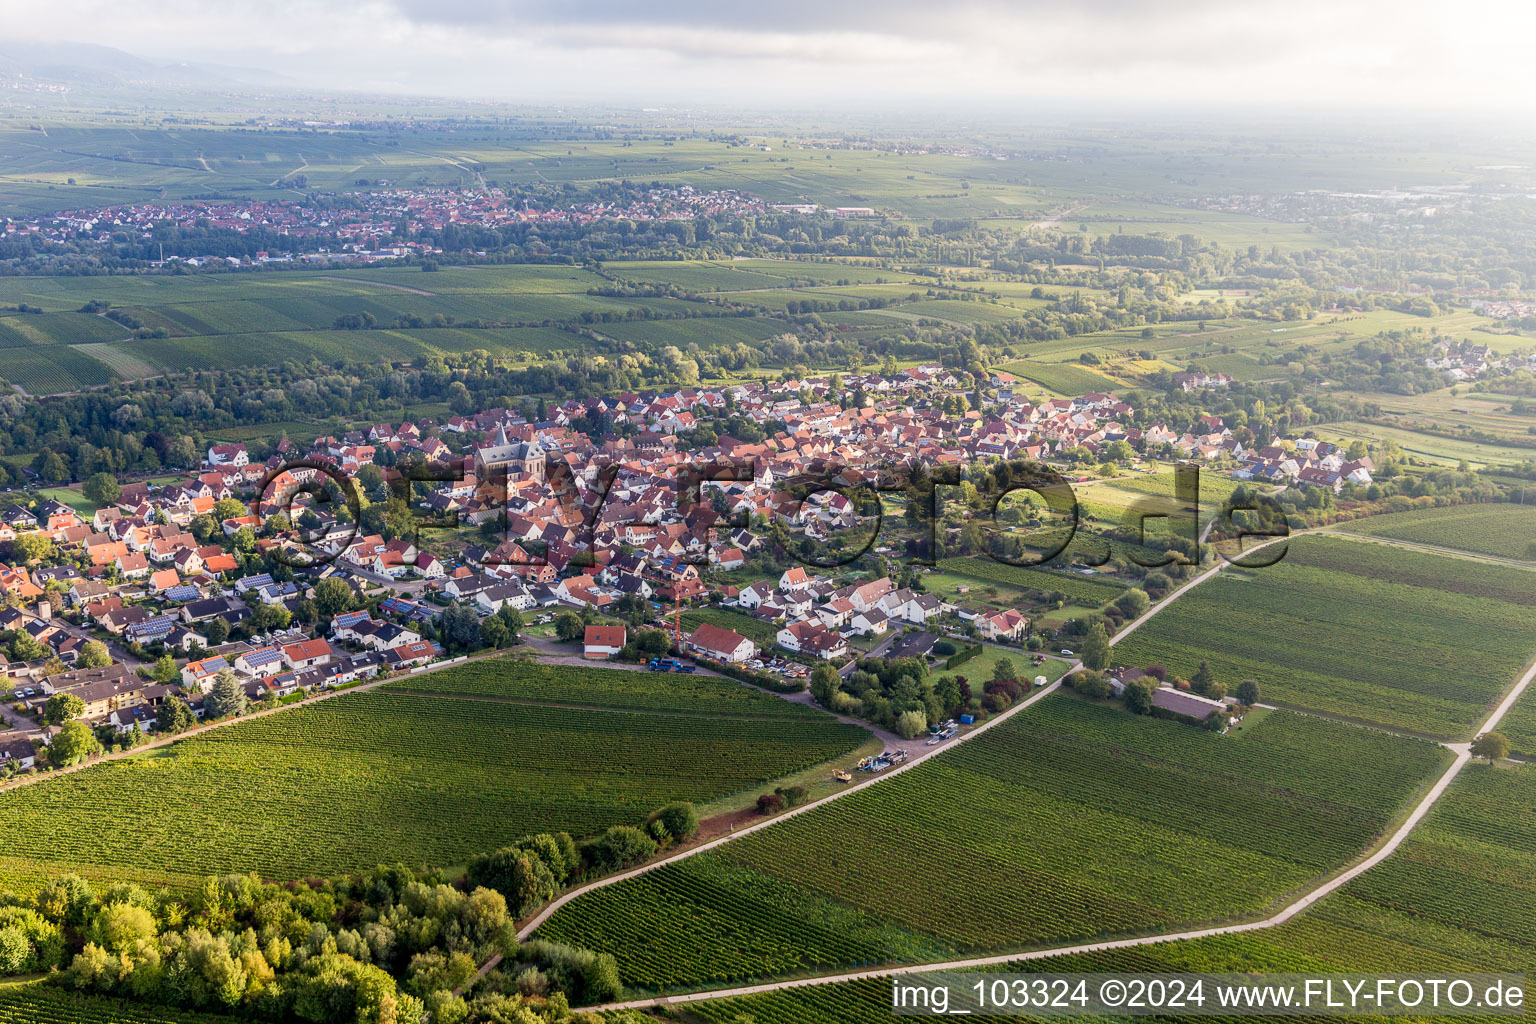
1323	889
918	753
1331	885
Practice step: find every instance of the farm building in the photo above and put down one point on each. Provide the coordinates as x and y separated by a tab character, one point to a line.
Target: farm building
602	642
721	644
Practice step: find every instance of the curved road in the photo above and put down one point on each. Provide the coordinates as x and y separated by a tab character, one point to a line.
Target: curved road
921	755
1463	755
1324	888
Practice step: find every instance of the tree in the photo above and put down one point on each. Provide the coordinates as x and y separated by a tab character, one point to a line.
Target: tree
1133	602
174	716
101	488
1248	692
25	647
1203	678
94	655
460	628
228	508
910	724
63	707
165	670
621	846
1095	652
1004	670
120	927
1492	745
493	633
72	744
268	617
332	597
227	696
568	627
680	818
511	618
216	630
1138	697
32	546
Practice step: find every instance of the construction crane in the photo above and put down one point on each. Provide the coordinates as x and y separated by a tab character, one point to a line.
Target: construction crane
677	617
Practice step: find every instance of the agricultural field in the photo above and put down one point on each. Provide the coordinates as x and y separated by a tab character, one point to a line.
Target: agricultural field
1501	530
1063	378
1519	725
990	837
217	321
705	332
1366	631
1095	589
38	1003
1447	451
428	780
1452	899
534	682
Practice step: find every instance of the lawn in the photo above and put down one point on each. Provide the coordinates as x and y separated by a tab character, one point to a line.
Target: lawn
979	670
385	775
982	848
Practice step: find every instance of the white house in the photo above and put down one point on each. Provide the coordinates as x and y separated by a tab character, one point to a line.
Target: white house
722	644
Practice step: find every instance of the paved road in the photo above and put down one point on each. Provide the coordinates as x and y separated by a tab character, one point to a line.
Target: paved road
19	722
118	652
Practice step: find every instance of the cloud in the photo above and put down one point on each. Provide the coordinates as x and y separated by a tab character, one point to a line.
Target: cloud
859	52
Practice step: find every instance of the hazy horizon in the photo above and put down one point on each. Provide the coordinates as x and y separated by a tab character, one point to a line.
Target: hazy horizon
1306	56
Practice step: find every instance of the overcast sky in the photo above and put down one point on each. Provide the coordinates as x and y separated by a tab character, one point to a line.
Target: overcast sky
1315	53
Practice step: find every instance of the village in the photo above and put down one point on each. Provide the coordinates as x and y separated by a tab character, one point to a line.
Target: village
237	571
369	224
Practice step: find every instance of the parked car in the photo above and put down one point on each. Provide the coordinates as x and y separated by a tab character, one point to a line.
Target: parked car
1066	652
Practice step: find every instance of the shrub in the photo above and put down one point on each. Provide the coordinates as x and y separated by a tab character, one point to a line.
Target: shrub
681	819
621	846
792	796
770	803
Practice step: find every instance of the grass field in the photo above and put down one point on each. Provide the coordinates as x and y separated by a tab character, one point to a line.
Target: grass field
1430	447
1363	630
1501	530
982	848
985	572
1065	378
1453	899
384	776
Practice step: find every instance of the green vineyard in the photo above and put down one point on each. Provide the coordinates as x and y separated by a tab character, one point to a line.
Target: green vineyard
378	777
46	1004
1501	530
1311	630
609	688
1454	898
979	850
